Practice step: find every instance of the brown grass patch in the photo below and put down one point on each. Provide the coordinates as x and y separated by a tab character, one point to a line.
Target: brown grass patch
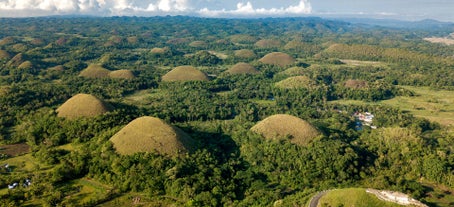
359	62
243	39
296	82
278	58
83	105
57	68
283	126
150	134
158	50
124	74
243	68
442	40
19	47
356	84
294	44
7	41
293	71
268	43
16	60
185	73
198	44
95	71
4	90
132	40
25	65
4	55
15	149
245	53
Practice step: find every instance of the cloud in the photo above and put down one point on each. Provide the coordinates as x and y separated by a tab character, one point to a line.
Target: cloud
247	9
142	8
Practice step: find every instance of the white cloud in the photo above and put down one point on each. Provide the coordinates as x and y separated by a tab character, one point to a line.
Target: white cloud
143	8
247	9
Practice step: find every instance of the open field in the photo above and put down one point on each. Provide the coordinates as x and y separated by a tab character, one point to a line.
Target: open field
88	189
23	163
353	197
443	40
361	63
14	149
434	105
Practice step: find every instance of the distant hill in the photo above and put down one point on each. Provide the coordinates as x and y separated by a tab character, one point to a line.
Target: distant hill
427	24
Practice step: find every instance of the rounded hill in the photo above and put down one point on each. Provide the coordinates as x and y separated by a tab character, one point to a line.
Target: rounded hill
296	82
26	65
16	60
244	53
95	71
243	38
83	105
278	58
4	55
293	71
150	134
268	43
198	44
185	73
283	126
158	50
242	68
123	74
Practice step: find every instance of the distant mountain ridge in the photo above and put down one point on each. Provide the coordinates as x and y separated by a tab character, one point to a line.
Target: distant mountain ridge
422	24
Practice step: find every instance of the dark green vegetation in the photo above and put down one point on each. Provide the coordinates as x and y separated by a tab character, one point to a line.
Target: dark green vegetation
71	162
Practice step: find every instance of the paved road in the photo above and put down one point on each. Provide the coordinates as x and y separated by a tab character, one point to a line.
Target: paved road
316	198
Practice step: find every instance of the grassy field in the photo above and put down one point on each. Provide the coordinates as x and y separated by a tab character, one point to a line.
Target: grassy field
14	149
142	97
353	197
88	189
362	63
24	163
434	105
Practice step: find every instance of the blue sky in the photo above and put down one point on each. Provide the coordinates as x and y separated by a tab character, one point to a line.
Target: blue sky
395	9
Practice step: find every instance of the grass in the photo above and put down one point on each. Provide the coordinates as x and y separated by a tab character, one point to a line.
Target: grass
88	189
264	102
278	58
243	68
296	82
143	97
141	200
434	105
24	163
95	71
83	105
14	149
283	126
361	63
353	197
148	134
125	74
185	73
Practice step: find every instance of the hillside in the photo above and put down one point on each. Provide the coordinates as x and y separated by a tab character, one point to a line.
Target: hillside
192	111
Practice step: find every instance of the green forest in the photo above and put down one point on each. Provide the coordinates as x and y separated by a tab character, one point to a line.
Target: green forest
188	111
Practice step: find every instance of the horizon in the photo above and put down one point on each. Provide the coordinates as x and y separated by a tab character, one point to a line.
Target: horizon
402	10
